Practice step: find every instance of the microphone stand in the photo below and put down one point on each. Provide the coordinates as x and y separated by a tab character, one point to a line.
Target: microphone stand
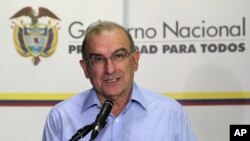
82	132
97	125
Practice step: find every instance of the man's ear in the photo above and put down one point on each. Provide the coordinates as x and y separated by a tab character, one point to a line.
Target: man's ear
136	58
84	66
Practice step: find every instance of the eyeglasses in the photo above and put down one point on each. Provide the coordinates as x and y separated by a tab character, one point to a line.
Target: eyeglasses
98	61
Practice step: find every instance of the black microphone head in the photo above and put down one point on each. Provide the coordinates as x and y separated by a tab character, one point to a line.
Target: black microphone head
108	102
105	111
101	118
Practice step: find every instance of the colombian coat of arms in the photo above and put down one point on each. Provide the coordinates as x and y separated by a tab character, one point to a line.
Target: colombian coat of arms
35	34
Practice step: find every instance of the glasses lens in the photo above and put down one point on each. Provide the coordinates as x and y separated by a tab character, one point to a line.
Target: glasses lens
98	61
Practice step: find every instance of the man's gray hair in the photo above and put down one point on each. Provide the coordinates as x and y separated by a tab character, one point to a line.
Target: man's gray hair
100	26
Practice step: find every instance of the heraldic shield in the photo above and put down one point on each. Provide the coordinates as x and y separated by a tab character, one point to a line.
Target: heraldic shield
35	38
35	41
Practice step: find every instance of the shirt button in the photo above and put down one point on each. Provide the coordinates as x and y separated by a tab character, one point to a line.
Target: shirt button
116	120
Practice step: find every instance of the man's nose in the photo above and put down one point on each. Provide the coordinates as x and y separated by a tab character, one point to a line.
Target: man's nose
109	66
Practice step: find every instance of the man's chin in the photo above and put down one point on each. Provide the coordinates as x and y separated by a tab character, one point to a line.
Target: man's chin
112	92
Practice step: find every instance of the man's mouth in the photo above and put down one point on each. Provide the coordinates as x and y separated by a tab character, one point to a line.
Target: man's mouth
112	80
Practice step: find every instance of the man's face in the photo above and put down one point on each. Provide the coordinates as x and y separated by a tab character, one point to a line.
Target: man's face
112	77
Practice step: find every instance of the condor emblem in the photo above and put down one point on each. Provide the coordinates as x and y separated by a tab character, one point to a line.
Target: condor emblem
35	34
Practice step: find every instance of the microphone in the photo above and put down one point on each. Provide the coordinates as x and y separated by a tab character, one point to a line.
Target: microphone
81	132
101	118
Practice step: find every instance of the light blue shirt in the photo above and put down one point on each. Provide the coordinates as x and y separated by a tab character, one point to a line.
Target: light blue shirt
147	117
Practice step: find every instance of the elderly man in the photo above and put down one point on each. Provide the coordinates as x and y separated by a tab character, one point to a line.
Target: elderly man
109	61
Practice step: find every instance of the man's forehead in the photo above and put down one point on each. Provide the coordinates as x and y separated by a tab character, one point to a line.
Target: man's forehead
118	34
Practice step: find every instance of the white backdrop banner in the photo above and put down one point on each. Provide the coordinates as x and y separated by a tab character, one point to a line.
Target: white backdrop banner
195	51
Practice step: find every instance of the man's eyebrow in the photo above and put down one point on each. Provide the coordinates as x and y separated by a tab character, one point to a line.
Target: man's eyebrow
97	54
120	49
94	54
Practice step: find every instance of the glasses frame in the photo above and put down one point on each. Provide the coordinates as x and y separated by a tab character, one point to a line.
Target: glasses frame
111	57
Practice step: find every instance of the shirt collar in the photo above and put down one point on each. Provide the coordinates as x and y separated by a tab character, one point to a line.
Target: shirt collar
91	100
136	96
